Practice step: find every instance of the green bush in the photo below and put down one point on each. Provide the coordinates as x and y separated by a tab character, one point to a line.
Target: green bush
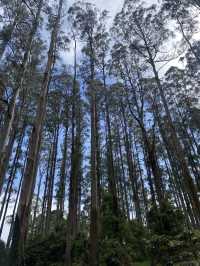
3	254
165	220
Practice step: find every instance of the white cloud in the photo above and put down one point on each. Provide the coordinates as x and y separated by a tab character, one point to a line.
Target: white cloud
113	6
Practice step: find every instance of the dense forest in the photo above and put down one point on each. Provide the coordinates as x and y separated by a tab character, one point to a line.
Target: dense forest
99	133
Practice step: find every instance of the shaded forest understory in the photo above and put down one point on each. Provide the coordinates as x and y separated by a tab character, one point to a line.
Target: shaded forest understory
166	241
99	134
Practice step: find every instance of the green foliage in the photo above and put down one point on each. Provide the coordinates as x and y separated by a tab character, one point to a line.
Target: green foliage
181	248
165	220
114	253
3	254
137	236
50	250
170	242
110	222
46	251
145	263
122	242
80	250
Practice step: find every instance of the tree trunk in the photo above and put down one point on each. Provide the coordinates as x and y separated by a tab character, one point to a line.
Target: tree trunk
75	167
6	131
21	221
110	162
51	181
9	187
178	150
33	231
62	182
132	173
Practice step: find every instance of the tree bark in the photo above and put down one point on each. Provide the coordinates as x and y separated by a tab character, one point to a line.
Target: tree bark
21	221
9	120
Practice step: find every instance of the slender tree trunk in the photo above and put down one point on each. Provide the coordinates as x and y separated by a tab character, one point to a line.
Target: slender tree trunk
62	182
111	172
149	146
95	171
16	202
51	181
21	221
123	172
94	226
177	149
141	179
44	202
33	231
149	177
9	187
6	131
8	153
73	186
175	167
131	168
